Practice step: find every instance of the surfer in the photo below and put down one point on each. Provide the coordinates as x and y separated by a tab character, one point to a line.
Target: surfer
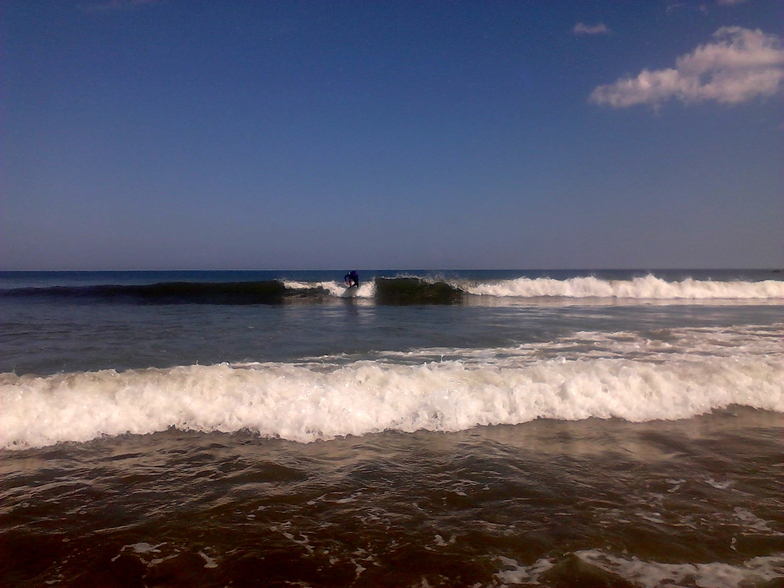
351	279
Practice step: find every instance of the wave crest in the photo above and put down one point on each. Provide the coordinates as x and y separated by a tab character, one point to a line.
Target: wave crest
648	287
308	402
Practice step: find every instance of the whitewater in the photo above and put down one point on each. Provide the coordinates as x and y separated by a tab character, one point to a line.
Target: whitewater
640	288
648	287
322	399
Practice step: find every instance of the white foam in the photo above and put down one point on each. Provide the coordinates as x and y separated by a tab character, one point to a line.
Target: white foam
752	521
653	574
305	402
209	562
693	344
144	548
337	289
648	287
515	573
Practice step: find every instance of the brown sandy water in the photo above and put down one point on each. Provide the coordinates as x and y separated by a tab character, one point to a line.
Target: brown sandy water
696	502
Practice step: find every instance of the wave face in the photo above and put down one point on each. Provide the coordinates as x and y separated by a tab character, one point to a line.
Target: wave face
626	378
411	290
266	292
404	290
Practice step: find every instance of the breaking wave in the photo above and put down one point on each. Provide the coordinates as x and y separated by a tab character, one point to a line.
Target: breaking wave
648	287
403	290
321	400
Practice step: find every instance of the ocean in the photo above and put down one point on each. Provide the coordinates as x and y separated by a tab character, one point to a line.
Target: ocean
439	428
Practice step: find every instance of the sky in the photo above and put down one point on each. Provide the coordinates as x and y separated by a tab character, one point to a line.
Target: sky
330	134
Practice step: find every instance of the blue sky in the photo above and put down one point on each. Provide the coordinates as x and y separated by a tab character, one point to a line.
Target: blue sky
186	134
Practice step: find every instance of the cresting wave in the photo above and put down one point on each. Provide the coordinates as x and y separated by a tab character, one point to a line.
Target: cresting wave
648	287
320	401
410	290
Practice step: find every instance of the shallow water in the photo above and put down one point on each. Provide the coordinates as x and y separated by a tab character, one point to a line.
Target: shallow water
551	502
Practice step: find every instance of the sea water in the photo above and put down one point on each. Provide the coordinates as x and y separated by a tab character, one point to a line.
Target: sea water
425	429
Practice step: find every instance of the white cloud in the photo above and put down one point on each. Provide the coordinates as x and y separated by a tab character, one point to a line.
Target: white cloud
584	29
737	66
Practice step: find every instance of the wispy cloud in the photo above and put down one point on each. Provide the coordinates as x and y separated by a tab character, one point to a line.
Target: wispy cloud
737	66
584	29
730	2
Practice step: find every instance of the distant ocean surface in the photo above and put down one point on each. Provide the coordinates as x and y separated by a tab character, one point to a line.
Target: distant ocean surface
440	428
